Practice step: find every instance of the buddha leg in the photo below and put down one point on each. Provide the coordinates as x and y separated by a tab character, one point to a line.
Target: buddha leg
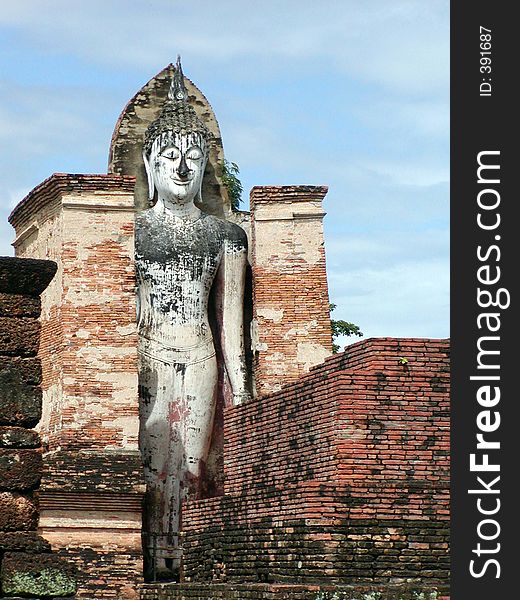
177	406
200	389
162	456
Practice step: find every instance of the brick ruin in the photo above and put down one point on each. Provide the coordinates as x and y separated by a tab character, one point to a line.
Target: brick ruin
291	324
335	478
92	485
27	566
339	478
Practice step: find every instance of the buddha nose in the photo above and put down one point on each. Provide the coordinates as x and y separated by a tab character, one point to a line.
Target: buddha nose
182	169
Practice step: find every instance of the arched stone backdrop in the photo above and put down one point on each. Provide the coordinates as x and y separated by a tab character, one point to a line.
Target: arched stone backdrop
126	146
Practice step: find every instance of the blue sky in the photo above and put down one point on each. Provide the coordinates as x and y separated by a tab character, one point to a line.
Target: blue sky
352	94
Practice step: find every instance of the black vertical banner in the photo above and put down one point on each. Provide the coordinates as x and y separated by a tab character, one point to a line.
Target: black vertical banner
485	248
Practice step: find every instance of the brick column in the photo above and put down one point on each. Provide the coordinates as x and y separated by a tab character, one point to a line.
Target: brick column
89	339
291	318
92	485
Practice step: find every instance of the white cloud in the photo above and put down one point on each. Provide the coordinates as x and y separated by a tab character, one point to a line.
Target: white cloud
361	106
402	45
14	196
408	299
45	130
393	284
40	120
255	144
414	172
418	117
352	252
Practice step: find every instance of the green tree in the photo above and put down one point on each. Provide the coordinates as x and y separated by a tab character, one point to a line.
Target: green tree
340	327
232	183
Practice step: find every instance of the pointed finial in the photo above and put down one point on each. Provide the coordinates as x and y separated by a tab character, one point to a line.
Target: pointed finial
177	116
178	90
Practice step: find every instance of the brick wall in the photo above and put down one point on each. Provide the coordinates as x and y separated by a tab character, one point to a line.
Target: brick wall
259	591
92	479
291	319
91	512
89	339
340	477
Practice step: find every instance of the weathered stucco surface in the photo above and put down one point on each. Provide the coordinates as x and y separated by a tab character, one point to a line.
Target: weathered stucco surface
88	346
190	267
90	501
291	319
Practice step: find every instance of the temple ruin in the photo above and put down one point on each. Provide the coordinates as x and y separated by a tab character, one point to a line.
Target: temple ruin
332	478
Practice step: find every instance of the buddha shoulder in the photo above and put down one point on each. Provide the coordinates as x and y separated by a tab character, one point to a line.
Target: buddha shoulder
145	218
228	231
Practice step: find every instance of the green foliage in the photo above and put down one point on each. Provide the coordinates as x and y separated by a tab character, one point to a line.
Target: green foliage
232	183
50	582
340	327
403	361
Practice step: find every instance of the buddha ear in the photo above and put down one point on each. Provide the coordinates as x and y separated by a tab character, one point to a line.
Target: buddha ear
149	176
198	196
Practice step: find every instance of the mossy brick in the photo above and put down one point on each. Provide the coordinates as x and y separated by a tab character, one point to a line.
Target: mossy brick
42	576
18	512
27	276
20	469
19	437
19	305
19	336
20	403
25	370
23	541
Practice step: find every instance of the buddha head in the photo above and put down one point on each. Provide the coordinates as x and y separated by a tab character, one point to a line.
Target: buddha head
176	148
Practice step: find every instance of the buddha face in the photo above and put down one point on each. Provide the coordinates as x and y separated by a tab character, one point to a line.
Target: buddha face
176	167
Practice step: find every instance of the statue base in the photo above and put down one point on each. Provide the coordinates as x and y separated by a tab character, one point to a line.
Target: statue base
162	558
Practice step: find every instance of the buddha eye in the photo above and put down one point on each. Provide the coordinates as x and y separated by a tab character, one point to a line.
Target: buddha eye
194	154
172	154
